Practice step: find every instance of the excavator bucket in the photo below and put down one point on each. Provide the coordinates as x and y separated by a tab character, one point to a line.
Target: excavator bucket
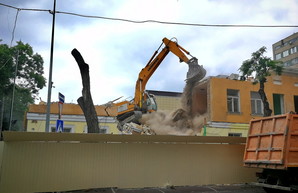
195	72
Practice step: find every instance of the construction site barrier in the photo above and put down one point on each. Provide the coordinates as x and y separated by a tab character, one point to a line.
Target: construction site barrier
50	162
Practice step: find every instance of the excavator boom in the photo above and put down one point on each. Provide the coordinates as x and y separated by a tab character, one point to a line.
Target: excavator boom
155	61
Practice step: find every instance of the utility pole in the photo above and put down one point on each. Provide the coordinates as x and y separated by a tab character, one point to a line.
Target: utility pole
50	83
13	90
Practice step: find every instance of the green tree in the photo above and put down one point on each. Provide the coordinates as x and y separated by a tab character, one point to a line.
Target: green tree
29	80
260	67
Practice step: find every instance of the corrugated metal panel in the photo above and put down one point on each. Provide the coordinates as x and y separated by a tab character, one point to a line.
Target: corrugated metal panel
31	164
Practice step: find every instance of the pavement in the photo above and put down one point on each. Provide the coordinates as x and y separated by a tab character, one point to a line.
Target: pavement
235	188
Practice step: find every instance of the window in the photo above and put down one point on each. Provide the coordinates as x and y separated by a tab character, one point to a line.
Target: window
288	63
235	134
66	129
233	101
278	56
292	62
285	53
102	129
296	103
256	103
295	61
277	47
277	82
293	50
278	104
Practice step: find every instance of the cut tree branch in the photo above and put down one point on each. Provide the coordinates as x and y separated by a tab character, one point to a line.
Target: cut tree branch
85	101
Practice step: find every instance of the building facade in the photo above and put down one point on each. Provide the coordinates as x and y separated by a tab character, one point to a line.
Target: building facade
286	50
72	116
229	104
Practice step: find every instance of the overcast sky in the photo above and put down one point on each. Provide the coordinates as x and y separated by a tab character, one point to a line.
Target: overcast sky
116	51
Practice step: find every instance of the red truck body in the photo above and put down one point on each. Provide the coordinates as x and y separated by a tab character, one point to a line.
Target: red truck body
272	142
272	145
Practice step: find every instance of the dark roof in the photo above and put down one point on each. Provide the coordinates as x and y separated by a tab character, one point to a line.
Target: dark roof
164	93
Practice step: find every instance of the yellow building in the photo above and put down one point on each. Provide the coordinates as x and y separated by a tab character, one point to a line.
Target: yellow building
73	117
229	104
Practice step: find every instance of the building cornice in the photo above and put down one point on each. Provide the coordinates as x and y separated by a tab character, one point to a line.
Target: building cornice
71	118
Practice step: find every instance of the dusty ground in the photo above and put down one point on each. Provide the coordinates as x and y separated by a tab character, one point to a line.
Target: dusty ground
239	188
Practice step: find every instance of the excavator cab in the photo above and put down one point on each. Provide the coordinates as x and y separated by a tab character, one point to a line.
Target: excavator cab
151	105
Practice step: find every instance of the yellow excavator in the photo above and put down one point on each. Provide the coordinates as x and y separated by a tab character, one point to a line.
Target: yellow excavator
143	102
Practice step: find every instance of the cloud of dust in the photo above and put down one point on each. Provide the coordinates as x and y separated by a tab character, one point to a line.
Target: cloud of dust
180	122
162	123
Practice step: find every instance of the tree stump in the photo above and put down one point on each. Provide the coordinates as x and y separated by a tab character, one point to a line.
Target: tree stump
85	101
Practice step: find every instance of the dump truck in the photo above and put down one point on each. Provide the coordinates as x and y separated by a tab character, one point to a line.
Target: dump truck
272	146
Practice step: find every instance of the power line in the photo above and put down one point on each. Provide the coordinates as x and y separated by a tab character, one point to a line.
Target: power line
154	21
25	9
173	23
14	27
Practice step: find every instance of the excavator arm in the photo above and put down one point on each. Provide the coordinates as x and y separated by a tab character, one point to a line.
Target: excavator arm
153	64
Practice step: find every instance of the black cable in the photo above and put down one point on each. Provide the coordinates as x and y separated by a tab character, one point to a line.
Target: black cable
25	9
173	23
14	27
154	21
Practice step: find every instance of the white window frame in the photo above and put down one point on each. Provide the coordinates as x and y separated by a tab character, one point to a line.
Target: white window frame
232	99
285	53
293	50
278	56
282	104
254	101
106	127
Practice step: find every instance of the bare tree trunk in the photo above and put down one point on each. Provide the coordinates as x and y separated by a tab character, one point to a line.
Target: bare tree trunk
267	110
85	101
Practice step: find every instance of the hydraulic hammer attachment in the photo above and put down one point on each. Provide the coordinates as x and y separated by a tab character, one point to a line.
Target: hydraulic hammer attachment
195	72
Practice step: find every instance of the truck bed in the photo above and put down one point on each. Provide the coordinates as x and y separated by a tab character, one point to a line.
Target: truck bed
272	142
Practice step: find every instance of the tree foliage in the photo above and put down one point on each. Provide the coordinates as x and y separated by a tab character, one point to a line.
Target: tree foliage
260	67
29	78
6	68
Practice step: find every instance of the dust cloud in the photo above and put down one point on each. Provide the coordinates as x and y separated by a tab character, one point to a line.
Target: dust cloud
162	123
180	122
